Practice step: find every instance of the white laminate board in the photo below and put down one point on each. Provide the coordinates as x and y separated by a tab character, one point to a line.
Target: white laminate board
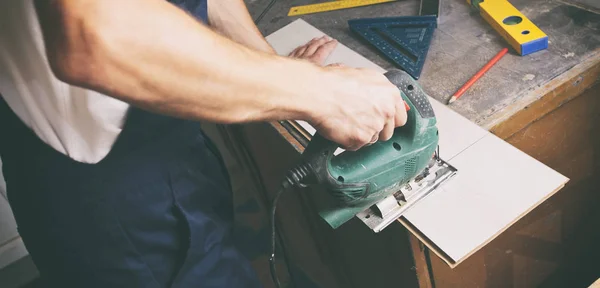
495	186
452	140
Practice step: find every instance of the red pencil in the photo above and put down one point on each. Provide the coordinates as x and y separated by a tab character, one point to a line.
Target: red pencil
478	75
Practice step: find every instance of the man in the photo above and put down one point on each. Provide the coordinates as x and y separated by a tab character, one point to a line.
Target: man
110	179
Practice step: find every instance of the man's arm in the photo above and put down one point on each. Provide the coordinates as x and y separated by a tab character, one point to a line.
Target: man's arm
232	19
151	54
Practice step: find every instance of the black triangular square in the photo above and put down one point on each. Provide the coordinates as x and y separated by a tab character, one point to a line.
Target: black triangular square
403	40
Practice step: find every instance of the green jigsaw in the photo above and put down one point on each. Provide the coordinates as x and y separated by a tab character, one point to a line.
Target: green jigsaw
379	182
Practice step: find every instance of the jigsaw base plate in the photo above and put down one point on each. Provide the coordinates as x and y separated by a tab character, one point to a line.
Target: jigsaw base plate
388	210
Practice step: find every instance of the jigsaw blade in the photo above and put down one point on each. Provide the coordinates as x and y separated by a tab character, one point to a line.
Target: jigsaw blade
379	216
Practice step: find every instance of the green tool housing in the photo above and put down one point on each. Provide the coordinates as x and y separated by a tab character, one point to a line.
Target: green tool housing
355	180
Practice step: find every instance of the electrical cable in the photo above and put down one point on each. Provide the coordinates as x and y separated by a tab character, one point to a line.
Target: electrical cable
262	14
293	178
273	235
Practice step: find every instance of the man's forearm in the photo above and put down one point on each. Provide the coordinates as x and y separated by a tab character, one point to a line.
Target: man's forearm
167	62
231	18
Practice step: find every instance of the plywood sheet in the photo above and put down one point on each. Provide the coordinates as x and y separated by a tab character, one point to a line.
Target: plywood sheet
496	183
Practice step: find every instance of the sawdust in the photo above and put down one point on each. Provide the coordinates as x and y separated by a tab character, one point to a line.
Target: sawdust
528	77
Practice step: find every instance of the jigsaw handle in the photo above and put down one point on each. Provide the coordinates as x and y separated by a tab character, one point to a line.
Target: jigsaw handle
418	99
320	151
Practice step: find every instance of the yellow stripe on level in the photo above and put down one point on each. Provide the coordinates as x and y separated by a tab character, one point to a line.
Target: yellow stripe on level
514	27
330	6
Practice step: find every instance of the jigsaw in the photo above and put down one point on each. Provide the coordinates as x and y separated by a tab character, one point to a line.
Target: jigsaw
380	182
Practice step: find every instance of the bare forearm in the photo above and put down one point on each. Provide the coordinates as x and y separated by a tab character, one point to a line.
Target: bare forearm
231	18
151	54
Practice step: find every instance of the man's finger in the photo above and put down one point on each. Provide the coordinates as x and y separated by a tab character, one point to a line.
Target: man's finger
398	117
300	51
324	51
313	40
356	143
312	47
293	53
401	115
388	130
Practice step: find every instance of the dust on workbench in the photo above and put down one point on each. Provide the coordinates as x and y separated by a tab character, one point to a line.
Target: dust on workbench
463	43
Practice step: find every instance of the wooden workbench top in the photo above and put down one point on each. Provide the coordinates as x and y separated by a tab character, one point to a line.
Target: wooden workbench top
464	42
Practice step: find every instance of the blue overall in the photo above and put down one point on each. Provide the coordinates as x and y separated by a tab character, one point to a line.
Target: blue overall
156	212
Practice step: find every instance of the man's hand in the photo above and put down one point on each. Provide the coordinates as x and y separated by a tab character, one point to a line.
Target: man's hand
361	106
315	51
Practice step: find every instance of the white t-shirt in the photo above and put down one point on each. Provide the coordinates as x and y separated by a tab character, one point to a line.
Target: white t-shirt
79	123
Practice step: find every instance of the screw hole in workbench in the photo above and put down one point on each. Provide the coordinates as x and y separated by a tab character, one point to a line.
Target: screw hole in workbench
397	146
525	32
512	20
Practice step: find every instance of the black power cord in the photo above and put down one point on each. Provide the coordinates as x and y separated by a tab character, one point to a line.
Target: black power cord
293	178
273	236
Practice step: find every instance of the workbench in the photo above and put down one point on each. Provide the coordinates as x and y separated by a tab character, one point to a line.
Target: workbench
545	104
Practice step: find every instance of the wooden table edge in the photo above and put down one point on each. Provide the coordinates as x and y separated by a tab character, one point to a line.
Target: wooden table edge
537	103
